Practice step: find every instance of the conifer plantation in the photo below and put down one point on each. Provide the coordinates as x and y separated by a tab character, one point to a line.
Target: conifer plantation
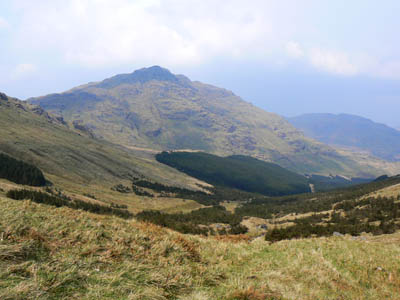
20	172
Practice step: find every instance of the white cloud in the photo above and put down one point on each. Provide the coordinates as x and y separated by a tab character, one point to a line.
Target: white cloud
333	61
101	33
294	50
104	33
342	63
23	71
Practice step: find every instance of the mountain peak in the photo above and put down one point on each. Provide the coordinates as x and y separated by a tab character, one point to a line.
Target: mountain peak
140	76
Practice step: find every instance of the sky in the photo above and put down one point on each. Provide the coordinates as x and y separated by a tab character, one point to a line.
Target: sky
285	56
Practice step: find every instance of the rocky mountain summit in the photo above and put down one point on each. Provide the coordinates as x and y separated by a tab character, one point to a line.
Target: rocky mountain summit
154	108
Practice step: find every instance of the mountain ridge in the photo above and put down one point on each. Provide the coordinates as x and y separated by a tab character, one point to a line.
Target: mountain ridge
176	113
346	130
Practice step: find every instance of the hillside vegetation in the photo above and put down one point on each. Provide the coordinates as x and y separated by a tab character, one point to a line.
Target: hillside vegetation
20	172
351	131
153	108
352	210
76	162
59	253
237	171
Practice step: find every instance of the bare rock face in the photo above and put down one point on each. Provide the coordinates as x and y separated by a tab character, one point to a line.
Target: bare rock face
78	124
3	97
50	118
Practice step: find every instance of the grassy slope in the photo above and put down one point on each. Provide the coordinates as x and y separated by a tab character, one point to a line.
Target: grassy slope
78	163
181	114
390	191
367	160
52	253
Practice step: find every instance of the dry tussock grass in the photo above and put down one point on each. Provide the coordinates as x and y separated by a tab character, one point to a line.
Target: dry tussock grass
237	238
52	253
88	255
252	293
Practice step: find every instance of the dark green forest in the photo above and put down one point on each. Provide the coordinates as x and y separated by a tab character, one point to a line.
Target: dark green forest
20	172
237	172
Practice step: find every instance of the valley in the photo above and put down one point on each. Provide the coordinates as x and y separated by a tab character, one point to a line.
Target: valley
52	252
150	171
199	150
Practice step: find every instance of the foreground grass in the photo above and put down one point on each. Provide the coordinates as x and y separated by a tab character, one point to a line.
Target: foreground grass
54	253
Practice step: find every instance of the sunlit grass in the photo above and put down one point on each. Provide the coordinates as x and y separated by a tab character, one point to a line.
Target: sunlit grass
49	253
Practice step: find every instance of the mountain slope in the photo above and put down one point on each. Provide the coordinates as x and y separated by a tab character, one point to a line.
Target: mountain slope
72	157
153	108
351	131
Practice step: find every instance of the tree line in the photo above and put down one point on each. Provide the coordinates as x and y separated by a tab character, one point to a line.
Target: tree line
59	201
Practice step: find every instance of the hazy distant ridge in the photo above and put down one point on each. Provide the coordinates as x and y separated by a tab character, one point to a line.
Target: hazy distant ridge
351	131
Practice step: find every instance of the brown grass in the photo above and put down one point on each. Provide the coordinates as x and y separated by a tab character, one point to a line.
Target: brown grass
252	293
60	253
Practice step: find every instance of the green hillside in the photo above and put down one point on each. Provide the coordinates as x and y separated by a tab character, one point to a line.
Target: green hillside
238	172
153	108
72	159
351	131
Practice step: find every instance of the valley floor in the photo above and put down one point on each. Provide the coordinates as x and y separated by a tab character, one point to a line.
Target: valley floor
55	253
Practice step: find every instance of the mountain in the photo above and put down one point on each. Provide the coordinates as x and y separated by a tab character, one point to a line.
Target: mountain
351	131
72	158
153	108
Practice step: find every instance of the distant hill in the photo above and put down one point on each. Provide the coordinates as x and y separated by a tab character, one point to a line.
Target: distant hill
153	108
351	131
237	171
